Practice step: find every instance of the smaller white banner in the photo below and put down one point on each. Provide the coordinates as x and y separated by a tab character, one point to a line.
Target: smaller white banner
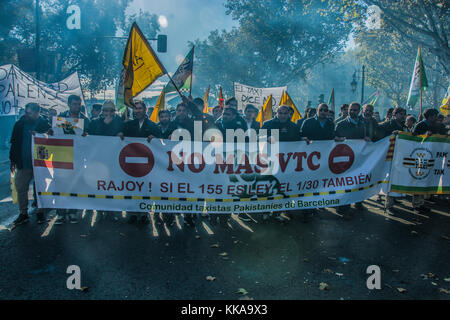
256	96
63	126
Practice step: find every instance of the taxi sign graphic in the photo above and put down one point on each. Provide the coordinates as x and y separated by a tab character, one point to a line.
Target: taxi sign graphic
136	160
420	162
341	159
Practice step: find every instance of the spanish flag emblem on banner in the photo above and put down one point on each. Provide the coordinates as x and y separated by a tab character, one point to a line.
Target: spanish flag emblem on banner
53	153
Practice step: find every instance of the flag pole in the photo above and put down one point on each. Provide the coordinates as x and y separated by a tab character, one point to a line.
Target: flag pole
420	77
192	70
171	80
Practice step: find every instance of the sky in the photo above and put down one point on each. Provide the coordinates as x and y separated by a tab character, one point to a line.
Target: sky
183	21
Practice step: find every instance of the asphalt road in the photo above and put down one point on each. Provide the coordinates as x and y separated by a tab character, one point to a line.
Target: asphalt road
269	260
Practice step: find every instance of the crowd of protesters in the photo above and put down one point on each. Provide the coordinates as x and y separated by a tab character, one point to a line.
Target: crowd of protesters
316	124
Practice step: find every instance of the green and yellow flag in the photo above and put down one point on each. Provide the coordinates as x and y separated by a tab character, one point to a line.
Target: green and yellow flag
160	105
331	101
266	112
445	107
140	68
419	81
205	101
183	76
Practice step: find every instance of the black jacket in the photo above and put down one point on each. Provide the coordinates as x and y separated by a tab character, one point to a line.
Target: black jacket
98	127
15	153
254	125
312	129
422	127
237	123
348	130
149	128
186	124
387	127
287	131
170	128
372	129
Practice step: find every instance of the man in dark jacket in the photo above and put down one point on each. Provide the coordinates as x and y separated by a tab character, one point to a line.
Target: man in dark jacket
251	112
287	130
353	127
395	124
96	111
74	112
426	126
20	156
165	125
371	128
343	114
182	120
309	113
207	119
108	123
392	126
319	127
230	121
140	127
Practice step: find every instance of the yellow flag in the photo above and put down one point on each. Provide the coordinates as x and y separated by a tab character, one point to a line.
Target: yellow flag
288	102
445	107
266	111
283	98
160	105
205	101
141	65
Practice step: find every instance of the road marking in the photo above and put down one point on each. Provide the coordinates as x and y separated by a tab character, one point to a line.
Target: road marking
152	219
177	221
207	228
94	218
440	212
49	227
388	216
335	213
240	222
167	230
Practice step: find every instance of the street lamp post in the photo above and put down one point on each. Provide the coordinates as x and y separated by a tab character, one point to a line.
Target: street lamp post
37	43
354	84
362	85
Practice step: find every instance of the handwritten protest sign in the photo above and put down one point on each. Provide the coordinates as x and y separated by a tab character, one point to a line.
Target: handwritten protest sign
256	96
17	88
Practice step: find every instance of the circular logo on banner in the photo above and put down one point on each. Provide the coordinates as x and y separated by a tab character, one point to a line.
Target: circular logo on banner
420	162
136	160
341	158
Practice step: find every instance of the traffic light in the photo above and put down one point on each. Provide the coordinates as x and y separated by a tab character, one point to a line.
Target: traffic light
162	43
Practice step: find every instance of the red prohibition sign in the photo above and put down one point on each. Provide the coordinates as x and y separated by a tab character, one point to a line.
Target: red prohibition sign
341	158
136	160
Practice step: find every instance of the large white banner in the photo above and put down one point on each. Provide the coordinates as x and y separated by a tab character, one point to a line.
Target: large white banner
106	173
17	88
256	96
422	164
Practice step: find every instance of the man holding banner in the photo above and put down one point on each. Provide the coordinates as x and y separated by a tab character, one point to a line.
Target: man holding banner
74	113
21	157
